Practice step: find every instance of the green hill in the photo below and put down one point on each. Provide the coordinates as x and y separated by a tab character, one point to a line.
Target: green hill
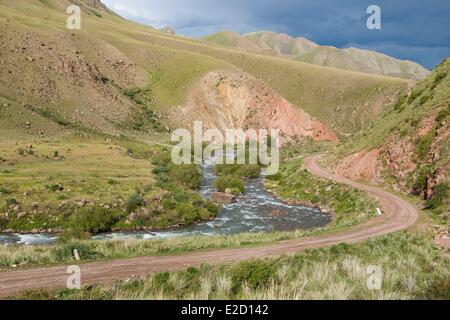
409	145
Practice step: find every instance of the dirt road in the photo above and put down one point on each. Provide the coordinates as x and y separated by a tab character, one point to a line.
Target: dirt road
398	214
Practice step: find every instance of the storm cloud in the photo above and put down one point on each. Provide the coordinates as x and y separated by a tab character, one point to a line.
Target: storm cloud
411	29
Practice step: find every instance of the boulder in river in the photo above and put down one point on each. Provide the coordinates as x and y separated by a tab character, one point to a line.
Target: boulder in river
221	197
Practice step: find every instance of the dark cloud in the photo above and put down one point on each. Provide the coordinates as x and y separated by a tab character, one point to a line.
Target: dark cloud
411	29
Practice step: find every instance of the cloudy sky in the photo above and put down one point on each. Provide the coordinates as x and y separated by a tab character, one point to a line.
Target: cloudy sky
417	30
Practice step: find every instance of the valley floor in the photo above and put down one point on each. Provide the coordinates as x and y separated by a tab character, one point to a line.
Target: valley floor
398	215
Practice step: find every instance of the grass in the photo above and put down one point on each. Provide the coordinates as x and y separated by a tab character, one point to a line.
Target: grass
409	266
171	65
348	205
41	191
419	122
405	114
29	256
345	216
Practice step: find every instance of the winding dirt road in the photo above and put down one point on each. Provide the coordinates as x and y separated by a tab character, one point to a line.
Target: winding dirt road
398	214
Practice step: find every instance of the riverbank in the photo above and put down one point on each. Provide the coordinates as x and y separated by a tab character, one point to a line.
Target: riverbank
253	212
25	257
398	215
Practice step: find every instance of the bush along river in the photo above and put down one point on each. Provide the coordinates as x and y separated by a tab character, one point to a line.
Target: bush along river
256	211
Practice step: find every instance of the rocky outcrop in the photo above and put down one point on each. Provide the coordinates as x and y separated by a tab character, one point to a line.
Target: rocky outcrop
229	100
168	30
363	165
398	157
223	198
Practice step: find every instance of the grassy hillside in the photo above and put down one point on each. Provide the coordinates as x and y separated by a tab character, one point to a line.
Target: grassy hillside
84	77
412	137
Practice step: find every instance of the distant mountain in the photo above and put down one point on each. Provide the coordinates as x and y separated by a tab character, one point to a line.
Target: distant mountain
266	42
353	59
168	30
364	61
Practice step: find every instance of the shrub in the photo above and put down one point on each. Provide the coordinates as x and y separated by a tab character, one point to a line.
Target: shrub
168	204
399	105
424	144
180	196
239	170
131	92
440	194
134	201
257	274
443	114
112	182
188	175
4	190
212	207
161	159
230	182
421	176
54	187
276	177
414	95
205	214
436	288
187	212
439	77
11	202
424	99
95	219
3	222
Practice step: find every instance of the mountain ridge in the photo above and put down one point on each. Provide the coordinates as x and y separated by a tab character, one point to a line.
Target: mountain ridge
305	50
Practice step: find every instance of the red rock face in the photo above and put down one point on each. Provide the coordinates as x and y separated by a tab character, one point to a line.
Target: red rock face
230	100
363	165
399	159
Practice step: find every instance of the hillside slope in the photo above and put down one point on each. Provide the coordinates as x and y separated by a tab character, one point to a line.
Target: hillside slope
116	76
226	100
301	49
409	146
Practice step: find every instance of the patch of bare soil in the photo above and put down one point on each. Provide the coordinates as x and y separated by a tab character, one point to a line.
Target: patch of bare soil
227	100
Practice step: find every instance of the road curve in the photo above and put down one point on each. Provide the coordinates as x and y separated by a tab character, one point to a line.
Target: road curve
398	214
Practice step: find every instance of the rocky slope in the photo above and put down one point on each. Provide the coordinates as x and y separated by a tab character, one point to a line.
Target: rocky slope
282	45
237	100
409	146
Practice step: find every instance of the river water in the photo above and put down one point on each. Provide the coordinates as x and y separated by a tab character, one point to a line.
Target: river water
256	211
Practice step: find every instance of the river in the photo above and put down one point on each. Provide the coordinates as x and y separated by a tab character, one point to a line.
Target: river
256	211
